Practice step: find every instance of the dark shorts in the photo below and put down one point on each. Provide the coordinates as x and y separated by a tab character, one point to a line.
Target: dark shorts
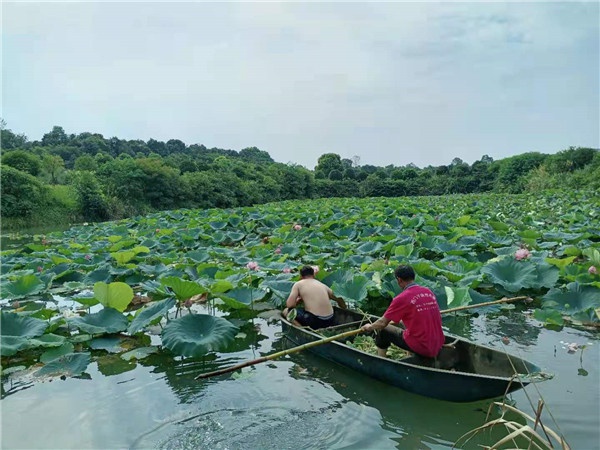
391	335
308	319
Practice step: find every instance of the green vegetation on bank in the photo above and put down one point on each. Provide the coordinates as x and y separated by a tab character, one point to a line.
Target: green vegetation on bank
67	178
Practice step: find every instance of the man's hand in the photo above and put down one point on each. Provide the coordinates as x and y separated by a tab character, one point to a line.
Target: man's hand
368	327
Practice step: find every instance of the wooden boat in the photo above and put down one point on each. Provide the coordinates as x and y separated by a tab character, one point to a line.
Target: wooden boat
462	372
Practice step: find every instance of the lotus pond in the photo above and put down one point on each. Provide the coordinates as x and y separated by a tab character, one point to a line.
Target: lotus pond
105	326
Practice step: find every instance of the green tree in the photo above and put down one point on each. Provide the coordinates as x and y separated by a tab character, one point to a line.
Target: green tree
10	140
23	161
55	137
255	155
22	193
86	162
53	165
90	198
327	163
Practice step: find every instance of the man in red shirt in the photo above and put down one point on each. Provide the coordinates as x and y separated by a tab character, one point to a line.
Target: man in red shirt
417	307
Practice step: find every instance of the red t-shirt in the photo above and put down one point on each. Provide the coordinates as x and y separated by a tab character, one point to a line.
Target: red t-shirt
418	309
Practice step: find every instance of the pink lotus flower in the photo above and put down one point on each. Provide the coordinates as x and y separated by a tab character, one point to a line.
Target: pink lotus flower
88	257
522	253
252	265
592	270
286	270
40	269
316	269
277	250
157	230
297	227
505	340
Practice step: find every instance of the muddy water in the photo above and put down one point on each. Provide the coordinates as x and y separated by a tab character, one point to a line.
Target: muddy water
298	402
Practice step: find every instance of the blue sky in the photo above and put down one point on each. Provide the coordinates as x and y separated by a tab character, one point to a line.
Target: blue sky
391	83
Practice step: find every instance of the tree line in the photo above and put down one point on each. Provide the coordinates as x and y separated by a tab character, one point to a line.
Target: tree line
66	178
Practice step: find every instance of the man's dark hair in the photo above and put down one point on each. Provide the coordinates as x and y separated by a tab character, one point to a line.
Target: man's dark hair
307	270
405	273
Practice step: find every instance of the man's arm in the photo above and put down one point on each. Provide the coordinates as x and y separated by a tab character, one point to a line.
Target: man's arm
379	324
339	300
293	298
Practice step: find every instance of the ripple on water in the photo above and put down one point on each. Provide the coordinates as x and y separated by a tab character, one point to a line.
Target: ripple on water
266	411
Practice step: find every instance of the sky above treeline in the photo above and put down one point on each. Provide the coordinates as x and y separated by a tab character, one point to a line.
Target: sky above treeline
389	83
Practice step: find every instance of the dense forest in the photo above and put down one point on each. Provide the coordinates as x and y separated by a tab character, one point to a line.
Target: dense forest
67	178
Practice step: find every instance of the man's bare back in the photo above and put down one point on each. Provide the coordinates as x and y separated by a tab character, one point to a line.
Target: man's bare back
315	296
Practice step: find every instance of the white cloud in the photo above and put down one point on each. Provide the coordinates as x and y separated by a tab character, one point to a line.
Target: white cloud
390	82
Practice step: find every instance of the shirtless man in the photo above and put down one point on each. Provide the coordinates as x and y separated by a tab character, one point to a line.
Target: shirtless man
317	311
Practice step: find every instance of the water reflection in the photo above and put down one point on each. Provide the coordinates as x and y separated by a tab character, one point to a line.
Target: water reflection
416	422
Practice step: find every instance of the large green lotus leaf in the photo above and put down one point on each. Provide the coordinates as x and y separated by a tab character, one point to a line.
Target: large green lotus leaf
561	263
593	255
245	295
115	295
102	273
498	226
150	313
549	316
576	298
339	276
546	275
123	257
355	290
111	344
198	334
457	296
47	341
448	248
108	320
369	248
183	289
198	256
404	250
511	274
425	268
23	286
10	345
560	236
280	288
12	324
56	352
71	364
220	286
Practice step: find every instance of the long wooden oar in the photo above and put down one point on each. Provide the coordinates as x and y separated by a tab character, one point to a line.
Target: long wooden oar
279	354
332	338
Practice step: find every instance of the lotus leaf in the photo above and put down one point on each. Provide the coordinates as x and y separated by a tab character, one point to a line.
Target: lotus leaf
71	364
108	320
576	298
242	297
355	290
150	313
56	352
280	288
111	344
114	295
549	317
198	334
12	324
23	286
511	274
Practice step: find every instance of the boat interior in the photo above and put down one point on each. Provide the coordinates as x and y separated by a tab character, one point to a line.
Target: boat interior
456	355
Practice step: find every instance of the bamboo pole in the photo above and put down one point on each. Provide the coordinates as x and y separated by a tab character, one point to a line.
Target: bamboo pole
496	302
279	354
332	338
